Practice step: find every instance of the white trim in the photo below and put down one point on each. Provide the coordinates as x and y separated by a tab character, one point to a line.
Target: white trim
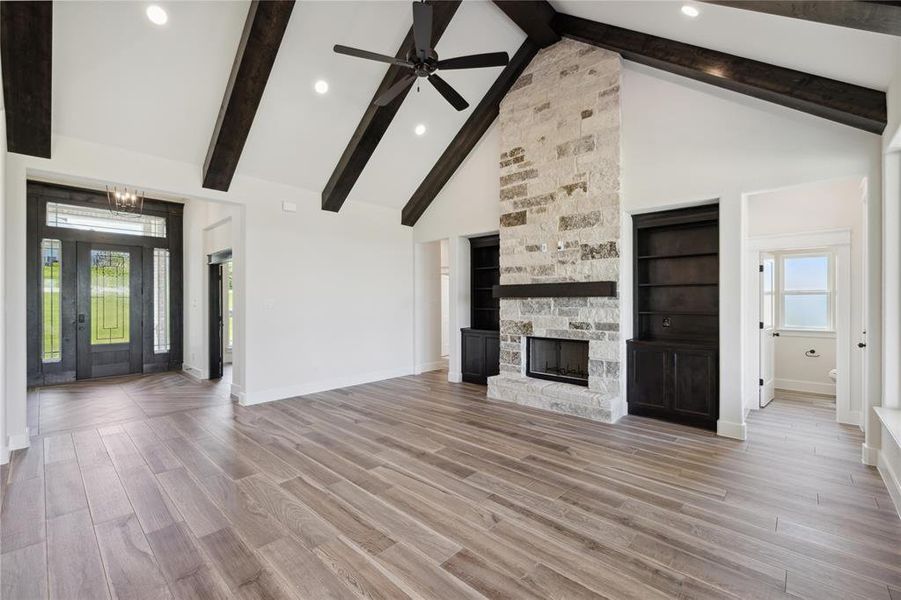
313	387
237	392
799	385
454	377
736	431
891	479
195	373
869	455
813	333
4	455
435	365
840	242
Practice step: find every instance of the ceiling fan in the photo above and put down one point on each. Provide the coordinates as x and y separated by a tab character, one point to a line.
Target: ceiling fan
423	61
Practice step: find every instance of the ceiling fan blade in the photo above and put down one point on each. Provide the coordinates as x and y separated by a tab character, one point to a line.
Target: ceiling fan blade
422	28
372	56
476	61
394	91
449	93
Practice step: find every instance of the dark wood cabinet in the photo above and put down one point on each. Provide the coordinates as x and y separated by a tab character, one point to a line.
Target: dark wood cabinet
673	382
673	358
481	342
481	354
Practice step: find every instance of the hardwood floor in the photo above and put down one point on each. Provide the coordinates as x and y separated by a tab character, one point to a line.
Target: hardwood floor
160	487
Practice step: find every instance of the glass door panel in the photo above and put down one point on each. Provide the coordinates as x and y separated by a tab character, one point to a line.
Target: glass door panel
108	322
110	297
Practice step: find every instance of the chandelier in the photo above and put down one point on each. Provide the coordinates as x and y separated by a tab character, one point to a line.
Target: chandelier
125	202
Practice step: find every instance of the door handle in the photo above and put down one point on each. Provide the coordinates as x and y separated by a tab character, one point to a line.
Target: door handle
861	345
775	334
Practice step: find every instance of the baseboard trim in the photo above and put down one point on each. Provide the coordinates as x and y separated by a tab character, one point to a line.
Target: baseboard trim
195	373
4	455
892	481
736	431
454	377
436	365
811	387
869	455
270	395
237	392
19	441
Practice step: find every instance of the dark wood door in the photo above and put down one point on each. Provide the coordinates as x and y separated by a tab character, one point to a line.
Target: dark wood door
648	373
694	383
473	356
108	321
217	322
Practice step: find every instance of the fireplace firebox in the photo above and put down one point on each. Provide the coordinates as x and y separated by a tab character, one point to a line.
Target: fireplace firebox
557	360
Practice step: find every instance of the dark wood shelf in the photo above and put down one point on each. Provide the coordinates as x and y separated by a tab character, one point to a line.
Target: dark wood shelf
487	268
480	356
678	284
696	313
686	255
485	308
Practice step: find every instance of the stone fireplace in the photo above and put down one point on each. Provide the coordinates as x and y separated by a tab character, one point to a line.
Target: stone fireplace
560	222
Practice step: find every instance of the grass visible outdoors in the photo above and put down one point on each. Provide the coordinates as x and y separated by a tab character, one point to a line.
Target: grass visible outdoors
51	312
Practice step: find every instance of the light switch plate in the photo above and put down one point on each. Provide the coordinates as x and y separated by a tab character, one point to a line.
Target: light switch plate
289	206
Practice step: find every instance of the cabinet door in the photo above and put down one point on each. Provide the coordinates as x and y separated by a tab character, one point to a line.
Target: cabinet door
694	383
647	376
492	355
473	359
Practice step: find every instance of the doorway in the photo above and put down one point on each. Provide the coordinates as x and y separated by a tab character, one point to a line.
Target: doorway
104	291
221	313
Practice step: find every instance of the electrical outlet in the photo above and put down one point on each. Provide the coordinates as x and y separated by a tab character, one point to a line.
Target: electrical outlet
289	206
559	246
544	247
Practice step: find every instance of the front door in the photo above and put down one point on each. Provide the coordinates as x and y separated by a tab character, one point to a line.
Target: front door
767	329
109	328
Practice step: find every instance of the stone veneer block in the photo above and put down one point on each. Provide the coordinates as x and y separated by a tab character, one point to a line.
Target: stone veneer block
560	207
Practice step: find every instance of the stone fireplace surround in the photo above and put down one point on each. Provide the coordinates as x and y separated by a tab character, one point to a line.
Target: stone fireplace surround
560	222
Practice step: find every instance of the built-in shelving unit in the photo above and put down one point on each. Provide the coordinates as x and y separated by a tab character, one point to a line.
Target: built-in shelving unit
673	356
481	341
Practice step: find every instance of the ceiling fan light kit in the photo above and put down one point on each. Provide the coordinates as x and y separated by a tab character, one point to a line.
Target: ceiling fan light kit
423	61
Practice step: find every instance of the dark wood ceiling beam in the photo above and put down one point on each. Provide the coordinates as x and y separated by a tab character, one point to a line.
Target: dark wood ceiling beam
26	52
879	17
533	17
469	135
376	119
263	32
837	101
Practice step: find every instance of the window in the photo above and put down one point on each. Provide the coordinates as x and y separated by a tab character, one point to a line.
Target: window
110	297
51	282
93	218
807	291
160	300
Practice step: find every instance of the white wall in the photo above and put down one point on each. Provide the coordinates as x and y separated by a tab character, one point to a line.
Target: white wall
685	142
329	296
821	206
4	440
427	291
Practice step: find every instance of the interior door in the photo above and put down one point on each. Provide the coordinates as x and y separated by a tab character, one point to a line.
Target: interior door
216	321
109	327
768	331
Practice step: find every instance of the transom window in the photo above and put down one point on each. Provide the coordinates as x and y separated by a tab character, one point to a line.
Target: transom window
92	218
806	291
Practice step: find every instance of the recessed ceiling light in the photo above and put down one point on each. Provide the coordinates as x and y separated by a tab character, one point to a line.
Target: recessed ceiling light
690	11
157	15
320	86
419	129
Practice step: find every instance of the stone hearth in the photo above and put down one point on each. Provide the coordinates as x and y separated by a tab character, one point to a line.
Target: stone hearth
560	222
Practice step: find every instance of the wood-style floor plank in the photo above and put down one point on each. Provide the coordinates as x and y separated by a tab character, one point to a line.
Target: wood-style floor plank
158	486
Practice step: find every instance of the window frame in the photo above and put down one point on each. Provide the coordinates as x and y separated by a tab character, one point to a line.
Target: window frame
829	291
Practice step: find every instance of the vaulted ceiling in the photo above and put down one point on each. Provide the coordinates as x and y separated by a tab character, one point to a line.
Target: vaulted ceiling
121	81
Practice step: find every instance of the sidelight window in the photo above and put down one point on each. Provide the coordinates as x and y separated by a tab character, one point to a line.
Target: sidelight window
160	300
51	312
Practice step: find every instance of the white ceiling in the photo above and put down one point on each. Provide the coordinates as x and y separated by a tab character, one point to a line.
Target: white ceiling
850	55
121	81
